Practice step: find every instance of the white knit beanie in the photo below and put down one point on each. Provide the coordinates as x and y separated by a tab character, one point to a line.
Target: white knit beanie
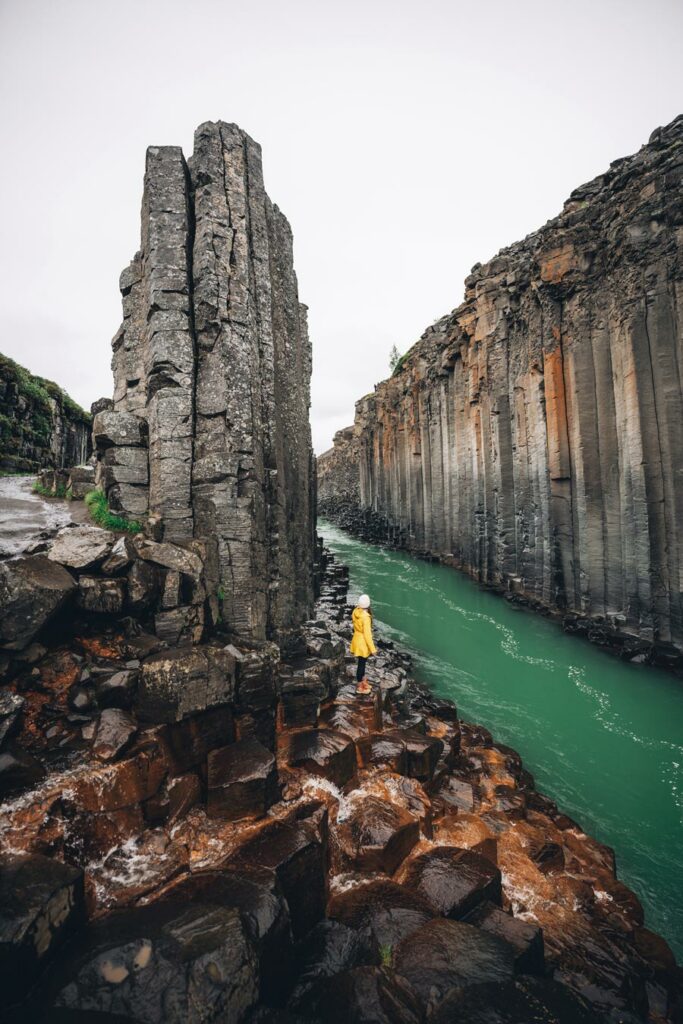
363	601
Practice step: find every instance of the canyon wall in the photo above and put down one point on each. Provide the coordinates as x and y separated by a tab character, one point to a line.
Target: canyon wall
208	431
40	426
533	436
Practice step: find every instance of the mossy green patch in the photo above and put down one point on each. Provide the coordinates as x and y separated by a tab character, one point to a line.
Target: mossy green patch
104	517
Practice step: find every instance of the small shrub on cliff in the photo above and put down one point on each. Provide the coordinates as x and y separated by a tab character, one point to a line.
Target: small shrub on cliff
104	517
394	358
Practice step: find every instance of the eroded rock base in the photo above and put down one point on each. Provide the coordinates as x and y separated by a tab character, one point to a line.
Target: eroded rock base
277	848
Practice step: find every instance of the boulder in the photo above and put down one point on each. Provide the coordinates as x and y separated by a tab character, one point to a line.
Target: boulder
115	730
32	589
81	547
376	835
101	595
41	904
323	752
526	939
188	742
298	858
367	995
180	681
160	963
453	881
122	554
117	691
241	780
171	556
442	956
114	428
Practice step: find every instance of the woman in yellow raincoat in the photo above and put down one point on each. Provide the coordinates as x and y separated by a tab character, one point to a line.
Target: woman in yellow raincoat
362	644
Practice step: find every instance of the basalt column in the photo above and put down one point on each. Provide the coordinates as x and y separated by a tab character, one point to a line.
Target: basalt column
209	430
533	436
252	480
154	352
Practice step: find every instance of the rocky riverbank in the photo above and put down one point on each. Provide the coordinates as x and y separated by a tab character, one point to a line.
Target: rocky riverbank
229	832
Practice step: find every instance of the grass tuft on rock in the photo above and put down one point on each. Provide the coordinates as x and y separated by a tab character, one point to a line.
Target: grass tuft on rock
60	491
104	517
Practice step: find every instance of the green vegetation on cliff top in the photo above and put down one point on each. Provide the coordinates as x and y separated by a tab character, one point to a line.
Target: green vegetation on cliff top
40	391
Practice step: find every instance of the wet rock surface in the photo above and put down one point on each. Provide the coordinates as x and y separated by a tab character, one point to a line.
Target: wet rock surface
322	866
32	589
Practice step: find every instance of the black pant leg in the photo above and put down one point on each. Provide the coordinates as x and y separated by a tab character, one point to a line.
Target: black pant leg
360	669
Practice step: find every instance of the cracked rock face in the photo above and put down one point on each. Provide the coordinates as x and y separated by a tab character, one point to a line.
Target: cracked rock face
209	428
532	437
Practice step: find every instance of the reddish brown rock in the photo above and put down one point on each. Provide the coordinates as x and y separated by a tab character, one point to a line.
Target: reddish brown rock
526	939
452	880
241	780
323	752
115	730
377	836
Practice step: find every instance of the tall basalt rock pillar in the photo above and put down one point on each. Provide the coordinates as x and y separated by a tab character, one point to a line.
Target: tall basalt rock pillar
209	432
533	436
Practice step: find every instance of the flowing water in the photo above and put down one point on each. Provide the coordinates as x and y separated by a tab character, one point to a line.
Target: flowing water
602	737
23	514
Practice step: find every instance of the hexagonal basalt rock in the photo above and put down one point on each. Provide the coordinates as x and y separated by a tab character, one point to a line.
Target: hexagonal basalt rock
242	780
526	939
177	682
384	910
423	753
323	752
453	881
442	956
299	860
377	836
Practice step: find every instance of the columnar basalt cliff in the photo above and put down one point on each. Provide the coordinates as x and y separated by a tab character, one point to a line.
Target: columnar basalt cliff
533	436
40	426
208	431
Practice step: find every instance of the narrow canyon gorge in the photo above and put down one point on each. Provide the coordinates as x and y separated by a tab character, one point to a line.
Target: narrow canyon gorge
201	819
532	437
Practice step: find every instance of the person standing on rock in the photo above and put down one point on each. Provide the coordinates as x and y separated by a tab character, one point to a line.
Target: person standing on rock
362	644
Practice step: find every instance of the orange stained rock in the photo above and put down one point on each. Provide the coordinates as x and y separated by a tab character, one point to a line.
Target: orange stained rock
461	829
101	648
557	262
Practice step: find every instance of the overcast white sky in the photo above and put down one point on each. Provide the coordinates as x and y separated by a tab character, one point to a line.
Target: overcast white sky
405	140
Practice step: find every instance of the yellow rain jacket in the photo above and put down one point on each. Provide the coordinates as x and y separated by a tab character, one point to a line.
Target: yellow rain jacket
362	645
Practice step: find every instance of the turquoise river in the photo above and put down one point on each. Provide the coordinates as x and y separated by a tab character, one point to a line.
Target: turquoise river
602	737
